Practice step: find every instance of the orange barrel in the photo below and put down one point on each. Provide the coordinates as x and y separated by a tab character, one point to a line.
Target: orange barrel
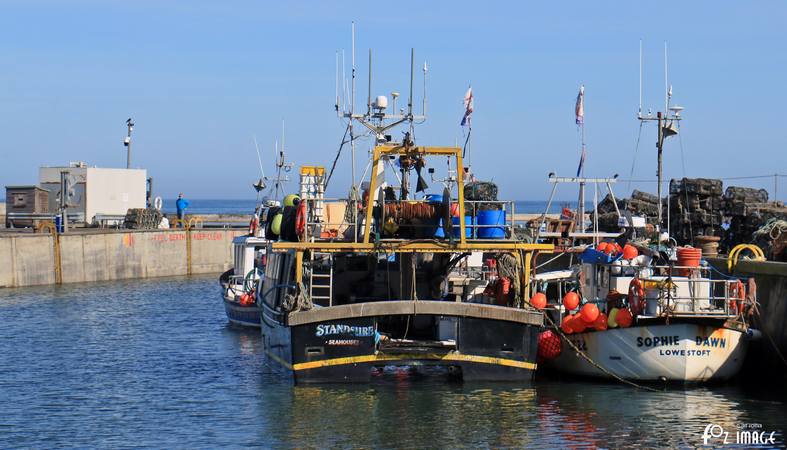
688	257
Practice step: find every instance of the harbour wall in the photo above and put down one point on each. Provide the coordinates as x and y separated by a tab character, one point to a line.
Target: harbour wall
765	356
40	259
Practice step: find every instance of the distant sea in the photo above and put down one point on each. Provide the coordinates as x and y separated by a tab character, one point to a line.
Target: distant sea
246	206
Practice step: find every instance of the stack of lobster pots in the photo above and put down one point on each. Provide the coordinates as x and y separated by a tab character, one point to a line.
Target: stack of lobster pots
695	208
640	204
749	209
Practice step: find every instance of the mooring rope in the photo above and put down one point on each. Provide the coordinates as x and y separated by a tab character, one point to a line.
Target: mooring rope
589	360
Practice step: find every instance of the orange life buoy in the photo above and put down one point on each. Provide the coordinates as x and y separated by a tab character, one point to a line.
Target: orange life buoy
737	294
636	296
300	218
253	225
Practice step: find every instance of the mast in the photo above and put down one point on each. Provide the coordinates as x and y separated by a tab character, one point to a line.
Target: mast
659	174
667	126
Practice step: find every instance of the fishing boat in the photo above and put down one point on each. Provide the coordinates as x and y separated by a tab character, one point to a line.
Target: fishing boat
397	281
649	318
637	306
239	282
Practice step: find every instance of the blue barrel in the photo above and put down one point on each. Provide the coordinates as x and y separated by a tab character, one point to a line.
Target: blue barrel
468	226
491	217
59	223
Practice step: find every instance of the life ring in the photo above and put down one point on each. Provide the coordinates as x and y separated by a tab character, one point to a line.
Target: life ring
300	218
157	202
253	225
636	296
737	294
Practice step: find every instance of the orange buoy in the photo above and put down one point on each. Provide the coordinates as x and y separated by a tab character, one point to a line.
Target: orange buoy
571	300
601	322
602	246
576	324
549	345
589	313
539	300
630	252
624	318
565	325
612	249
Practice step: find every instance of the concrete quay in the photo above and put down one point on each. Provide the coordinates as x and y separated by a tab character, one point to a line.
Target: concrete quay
30	259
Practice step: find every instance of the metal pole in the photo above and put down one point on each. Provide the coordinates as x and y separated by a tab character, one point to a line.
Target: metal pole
581	206
776	186
127	142
64	199
659	145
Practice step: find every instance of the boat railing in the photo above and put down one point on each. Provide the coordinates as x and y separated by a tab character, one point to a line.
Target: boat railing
684	290
330	218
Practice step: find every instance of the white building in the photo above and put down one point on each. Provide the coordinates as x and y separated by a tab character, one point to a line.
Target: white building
96	190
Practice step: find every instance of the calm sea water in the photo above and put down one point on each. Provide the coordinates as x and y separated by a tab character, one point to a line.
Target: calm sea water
153	364
203	206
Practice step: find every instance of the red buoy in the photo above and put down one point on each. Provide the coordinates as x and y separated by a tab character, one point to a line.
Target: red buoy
602	247
589	313
630	252
624	318
571	300
601	322
549	345
577	324
539	300
565	325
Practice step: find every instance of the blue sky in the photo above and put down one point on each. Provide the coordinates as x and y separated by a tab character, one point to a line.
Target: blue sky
200	78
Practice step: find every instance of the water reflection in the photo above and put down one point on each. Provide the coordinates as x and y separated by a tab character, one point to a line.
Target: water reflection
155	364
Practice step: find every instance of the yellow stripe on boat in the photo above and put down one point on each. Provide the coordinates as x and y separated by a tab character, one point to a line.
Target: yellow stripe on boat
404	357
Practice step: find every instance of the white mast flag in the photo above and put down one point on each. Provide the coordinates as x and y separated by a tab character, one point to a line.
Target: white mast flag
580	108
468	107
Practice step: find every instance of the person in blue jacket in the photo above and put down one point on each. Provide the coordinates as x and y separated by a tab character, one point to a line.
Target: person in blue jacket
181	204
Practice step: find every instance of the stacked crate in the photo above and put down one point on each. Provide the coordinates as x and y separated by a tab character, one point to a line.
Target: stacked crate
695	208
142	219
749	209
640	204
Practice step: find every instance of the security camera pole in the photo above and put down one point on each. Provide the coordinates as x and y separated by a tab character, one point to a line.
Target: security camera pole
127	142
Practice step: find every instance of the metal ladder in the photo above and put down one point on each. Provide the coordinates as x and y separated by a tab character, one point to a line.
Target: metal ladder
317	279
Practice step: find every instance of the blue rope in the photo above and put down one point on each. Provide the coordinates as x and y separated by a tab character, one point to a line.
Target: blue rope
729	277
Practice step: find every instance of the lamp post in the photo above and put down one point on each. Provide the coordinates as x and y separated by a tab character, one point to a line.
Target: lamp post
127	142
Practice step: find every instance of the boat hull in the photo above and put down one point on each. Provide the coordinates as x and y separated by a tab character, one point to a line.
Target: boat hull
247	316
348	351
683	352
